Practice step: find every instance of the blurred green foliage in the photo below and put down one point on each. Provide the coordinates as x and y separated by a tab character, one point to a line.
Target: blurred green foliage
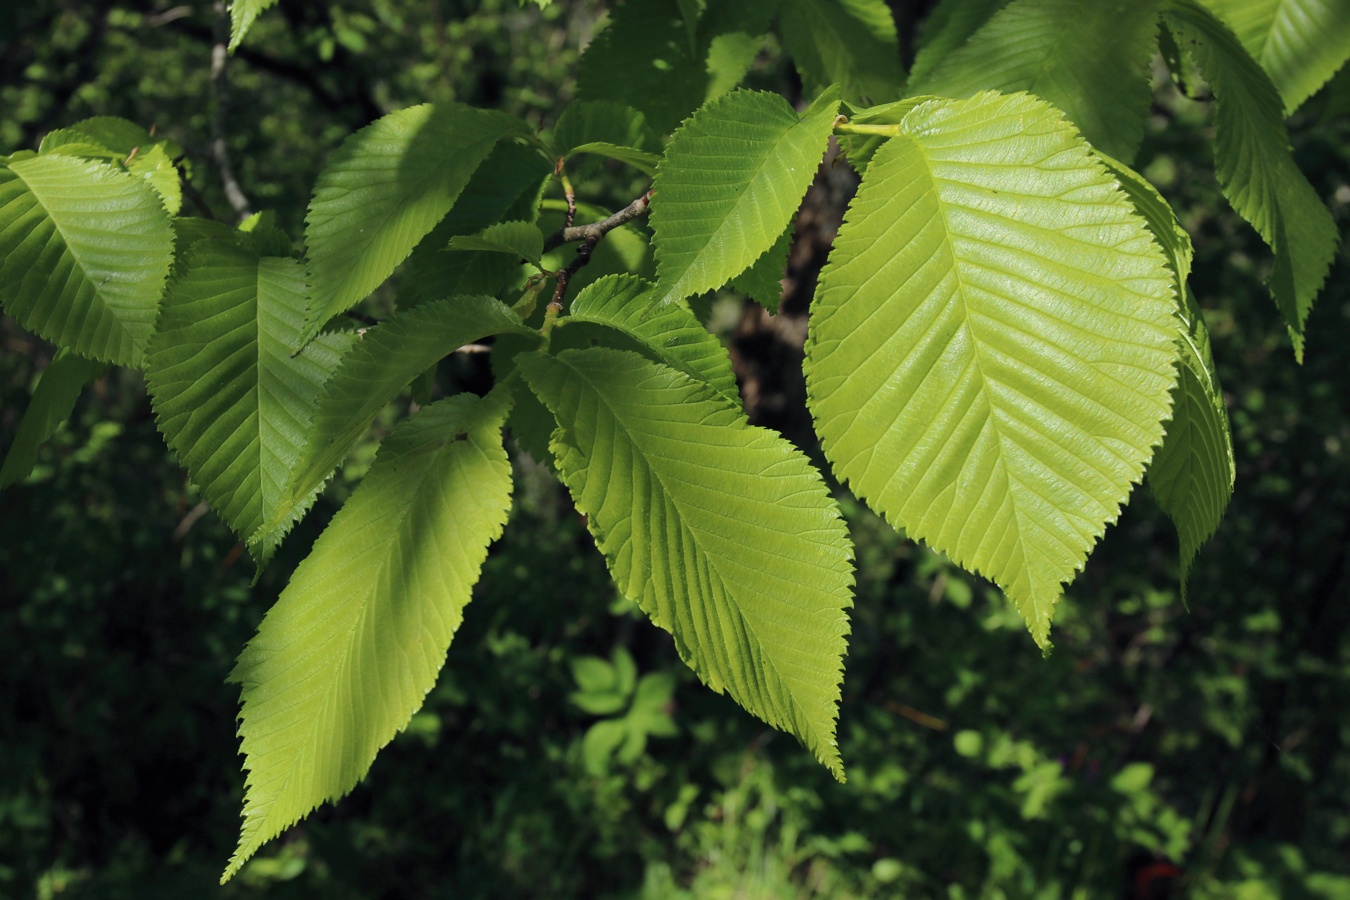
566	751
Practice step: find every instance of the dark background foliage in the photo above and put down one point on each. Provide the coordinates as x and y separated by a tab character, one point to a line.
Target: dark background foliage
1205	744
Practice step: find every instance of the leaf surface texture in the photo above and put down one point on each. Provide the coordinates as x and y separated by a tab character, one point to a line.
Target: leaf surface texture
350	650
991	348
722	532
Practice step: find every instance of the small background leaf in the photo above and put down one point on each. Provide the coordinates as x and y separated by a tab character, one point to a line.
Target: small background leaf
53	399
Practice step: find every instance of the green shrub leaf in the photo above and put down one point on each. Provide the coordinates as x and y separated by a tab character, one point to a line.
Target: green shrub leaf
384	362
1300	43
384	189
729	184
722	532
991	350
947	27
229	395
1255	169
353	645
84	251
1088	59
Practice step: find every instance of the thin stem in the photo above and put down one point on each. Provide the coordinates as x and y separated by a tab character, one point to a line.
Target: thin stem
589	236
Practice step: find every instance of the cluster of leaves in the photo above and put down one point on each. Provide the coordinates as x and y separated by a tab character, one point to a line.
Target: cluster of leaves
1001	343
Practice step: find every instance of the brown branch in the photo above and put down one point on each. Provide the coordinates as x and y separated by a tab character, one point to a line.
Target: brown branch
220	87
589	236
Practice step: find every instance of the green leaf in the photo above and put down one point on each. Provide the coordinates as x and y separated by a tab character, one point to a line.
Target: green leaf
84	251
763	281
599	122
155	166
858	148
991	349
1089	59
1300	43
121	136
730	56
384	189
722	532
384	362
229	396
1193	472
1255	169
668	331
947	27
522	240
54	397
851	43
641	160
730	181
643	60
505	186
353	645
242	14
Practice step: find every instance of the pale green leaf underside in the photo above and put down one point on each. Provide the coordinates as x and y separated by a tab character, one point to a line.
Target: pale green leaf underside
385	188
355	642
84	251
669	330
1300	43
1255	169
242	14
230	398
1193	472
851	43
53	399
720	531
991	350
1088	59
523	240
730	181
384	361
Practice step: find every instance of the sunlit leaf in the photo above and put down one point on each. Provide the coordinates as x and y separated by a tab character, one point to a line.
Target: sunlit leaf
722	532
991	347
353	645
384	361
384	189
84	251
730	181
231	397
668	331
